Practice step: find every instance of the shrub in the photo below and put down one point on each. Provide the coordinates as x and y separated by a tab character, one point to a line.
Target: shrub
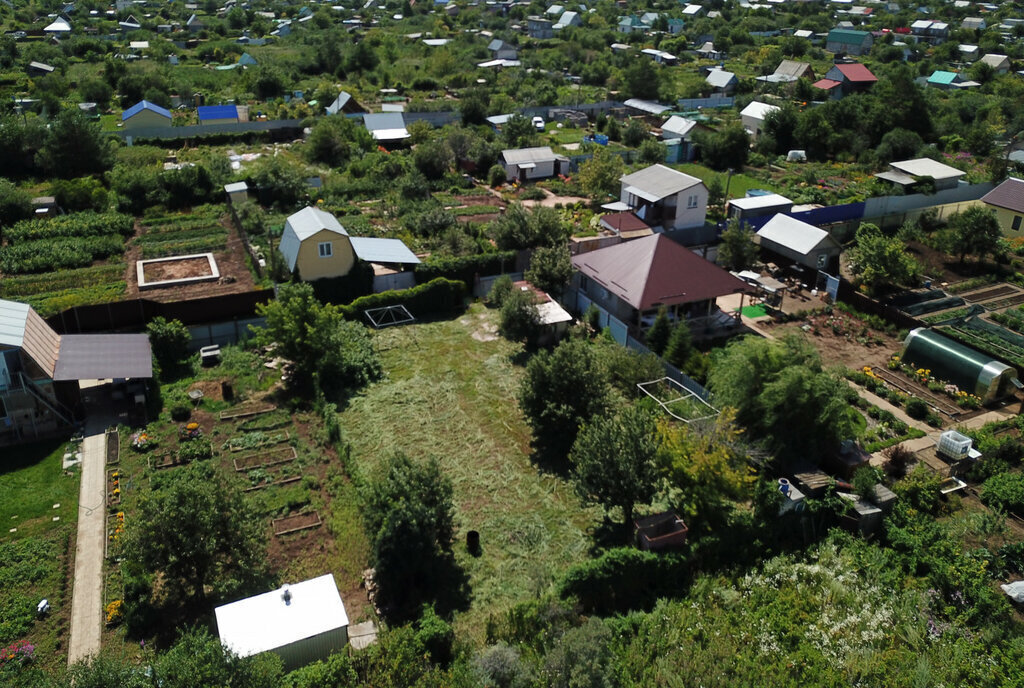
917	409
501	666
623	579
897	458
1005	491
496	175
465	268
169	340
436	635
500	289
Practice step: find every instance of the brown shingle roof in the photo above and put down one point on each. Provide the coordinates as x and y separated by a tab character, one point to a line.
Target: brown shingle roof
1009	195
655	271
624	222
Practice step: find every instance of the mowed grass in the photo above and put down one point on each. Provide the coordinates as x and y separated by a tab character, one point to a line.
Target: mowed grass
31	482
739	184
451	396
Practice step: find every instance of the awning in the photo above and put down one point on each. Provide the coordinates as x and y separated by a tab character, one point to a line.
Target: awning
375	250
896	178
640	193
616	207
103	356
825	84
526	165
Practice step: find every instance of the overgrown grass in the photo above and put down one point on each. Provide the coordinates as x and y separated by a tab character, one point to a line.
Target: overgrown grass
453	397
31	482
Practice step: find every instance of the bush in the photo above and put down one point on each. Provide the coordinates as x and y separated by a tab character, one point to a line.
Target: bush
623	579
195	450
501	666
1004	491
437	296
436	635
916	408
465	268
500	290
169	340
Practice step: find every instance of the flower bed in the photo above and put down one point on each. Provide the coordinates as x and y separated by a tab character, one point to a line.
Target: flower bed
923	376
113	488
17	654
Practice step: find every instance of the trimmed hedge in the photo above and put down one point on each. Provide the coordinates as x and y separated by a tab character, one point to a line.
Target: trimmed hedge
625	579
465	268
437	296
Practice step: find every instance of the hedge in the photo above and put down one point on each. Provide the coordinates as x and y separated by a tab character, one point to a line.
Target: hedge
436	296
465	268
625	579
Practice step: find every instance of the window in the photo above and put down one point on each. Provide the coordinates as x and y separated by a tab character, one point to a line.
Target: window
325	249
822	260
691	202
1016	223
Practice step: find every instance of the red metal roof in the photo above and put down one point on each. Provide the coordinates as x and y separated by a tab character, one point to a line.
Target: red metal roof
1009	195
825	84
654	271
856	72
624	222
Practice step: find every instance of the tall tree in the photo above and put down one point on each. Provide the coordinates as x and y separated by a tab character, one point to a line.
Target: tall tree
680	344
519	320
880	261
550	268
737	250
657	336
600	175
975	232
613	460
74	146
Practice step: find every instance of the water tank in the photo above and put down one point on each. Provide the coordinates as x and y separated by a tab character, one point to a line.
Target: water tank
954	446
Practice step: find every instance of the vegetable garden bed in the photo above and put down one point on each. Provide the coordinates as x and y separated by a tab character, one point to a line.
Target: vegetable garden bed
165	460
255	440
292	524
284	481
113	447
244	411
274	457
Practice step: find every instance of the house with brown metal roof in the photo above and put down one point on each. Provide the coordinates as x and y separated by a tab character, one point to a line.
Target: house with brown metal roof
626	225
846	78
1007	200
632	280
40	371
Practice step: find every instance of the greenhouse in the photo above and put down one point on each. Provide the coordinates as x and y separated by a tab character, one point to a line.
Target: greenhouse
964	367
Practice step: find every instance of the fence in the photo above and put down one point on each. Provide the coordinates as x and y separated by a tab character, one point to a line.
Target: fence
197	130
699	103
134	314
222	333
245	239
483	285
847	294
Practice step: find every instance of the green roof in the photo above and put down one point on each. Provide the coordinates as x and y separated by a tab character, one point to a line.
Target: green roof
847	36
941	77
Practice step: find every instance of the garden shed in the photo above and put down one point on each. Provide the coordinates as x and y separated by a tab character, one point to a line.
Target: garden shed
970	370
301	623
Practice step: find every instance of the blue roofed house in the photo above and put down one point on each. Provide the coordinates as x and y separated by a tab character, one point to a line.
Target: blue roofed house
217	114
145	114
247	60
943	80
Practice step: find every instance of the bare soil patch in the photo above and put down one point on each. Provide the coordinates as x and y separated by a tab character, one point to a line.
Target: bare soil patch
181	268
848	347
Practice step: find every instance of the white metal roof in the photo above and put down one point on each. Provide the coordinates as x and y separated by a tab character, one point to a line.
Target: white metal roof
719	78
793	234
386	126
657	181
265	622
12	322
926	167
758	110
646	106
236	187
550	313
677	125
309	221
375	250
522	156
754	202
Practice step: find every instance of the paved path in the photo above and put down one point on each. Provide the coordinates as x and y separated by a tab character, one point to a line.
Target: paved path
87	592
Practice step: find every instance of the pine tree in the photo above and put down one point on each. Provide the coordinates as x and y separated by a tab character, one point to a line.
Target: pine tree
680	345
657	336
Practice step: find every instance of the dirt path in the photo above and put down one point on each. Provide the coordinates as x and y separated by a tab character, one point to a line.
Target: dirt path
87	591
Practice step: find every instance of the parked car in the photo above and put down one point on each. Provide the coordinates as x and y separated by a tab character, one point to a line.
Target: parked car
538	123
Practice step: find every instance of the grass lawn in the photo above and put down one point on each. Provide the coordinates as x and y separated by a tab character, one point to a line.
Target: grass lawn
738	185
450	395
31	482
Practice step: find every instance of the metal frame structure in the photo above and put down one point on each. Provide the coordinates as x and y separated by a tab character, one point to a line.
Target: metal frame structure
385	316
684	395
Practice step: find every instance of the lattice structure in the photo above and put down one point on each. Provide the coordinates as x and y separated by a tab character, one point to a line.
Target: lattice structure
389	315
678	401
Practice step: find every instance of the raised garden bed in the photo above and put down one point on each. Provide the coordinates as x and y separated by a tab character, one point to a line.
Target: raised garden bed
176	270
246	442
165	460
292	524
113	488
113	448
246	411
273	421
272	457
283	481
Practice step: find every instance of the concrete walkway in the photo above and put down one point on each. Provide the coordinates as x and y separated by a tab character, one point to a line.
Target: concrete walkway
87	591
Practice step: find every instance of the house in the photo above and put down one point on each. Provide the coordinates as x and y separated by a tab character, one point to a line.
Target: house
757	205
552	319
645	107
314	243
39	69
194	24
525	164
791	70
721	81
999	63
798	242
693	11
973	24
634	279
539	27
969	53
61	26
1007	200
345	104
660	56
907	173
217	114
630	24
681	129
500	50
247	60
708	52
554	11
386	127
754	115
129	24
40	371
648	20
846	78
301	623
661	196
145	114
943	80
676	26
849	42
625	225
929	31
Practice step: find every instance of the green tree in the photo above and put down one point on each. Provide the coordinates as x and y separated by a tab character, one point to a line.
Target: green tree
550	268
223	545
640	79
680	345
636	133
315	337
169	340
520	227
334	672
84	193
737	250
74	146
337	140
880	261
651	152
661	329
724	149
105	670
280	182
975	232
15	204
519	320
434	159
600	175
780	125
563	389
582	657
199	659
613	461
408	515
518	132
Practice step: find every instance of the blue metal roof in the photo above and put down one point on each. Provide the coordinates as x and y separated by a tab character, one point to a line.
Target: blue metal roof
375	250
144	105
217	112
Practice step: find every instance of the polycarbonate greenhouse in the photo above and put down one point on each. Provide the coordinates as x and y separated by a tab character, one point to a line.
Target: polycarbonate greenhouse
970	370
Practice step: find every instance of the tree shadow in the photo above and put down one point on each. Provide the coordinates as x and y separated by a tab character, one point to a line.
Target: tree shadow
446	588
609	534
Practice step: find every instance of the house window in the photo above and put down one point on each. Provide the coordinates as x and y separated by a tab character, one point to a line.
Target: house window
325	249
1016	223
691	202
822	260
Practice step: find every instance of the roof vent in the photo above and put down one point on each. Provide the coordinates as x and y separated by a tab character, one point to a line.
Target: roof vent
286	594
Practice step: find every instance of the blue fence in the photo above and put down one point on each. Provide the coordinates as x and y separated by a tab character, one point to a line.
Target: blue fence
712	102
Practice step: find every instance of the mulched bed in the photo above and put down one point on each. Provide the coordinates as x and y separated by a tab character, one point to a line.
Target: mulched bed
113	448
278	438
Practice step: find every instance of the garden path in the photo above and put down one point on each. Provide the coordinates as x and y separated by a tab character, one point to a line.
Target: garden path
87	591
